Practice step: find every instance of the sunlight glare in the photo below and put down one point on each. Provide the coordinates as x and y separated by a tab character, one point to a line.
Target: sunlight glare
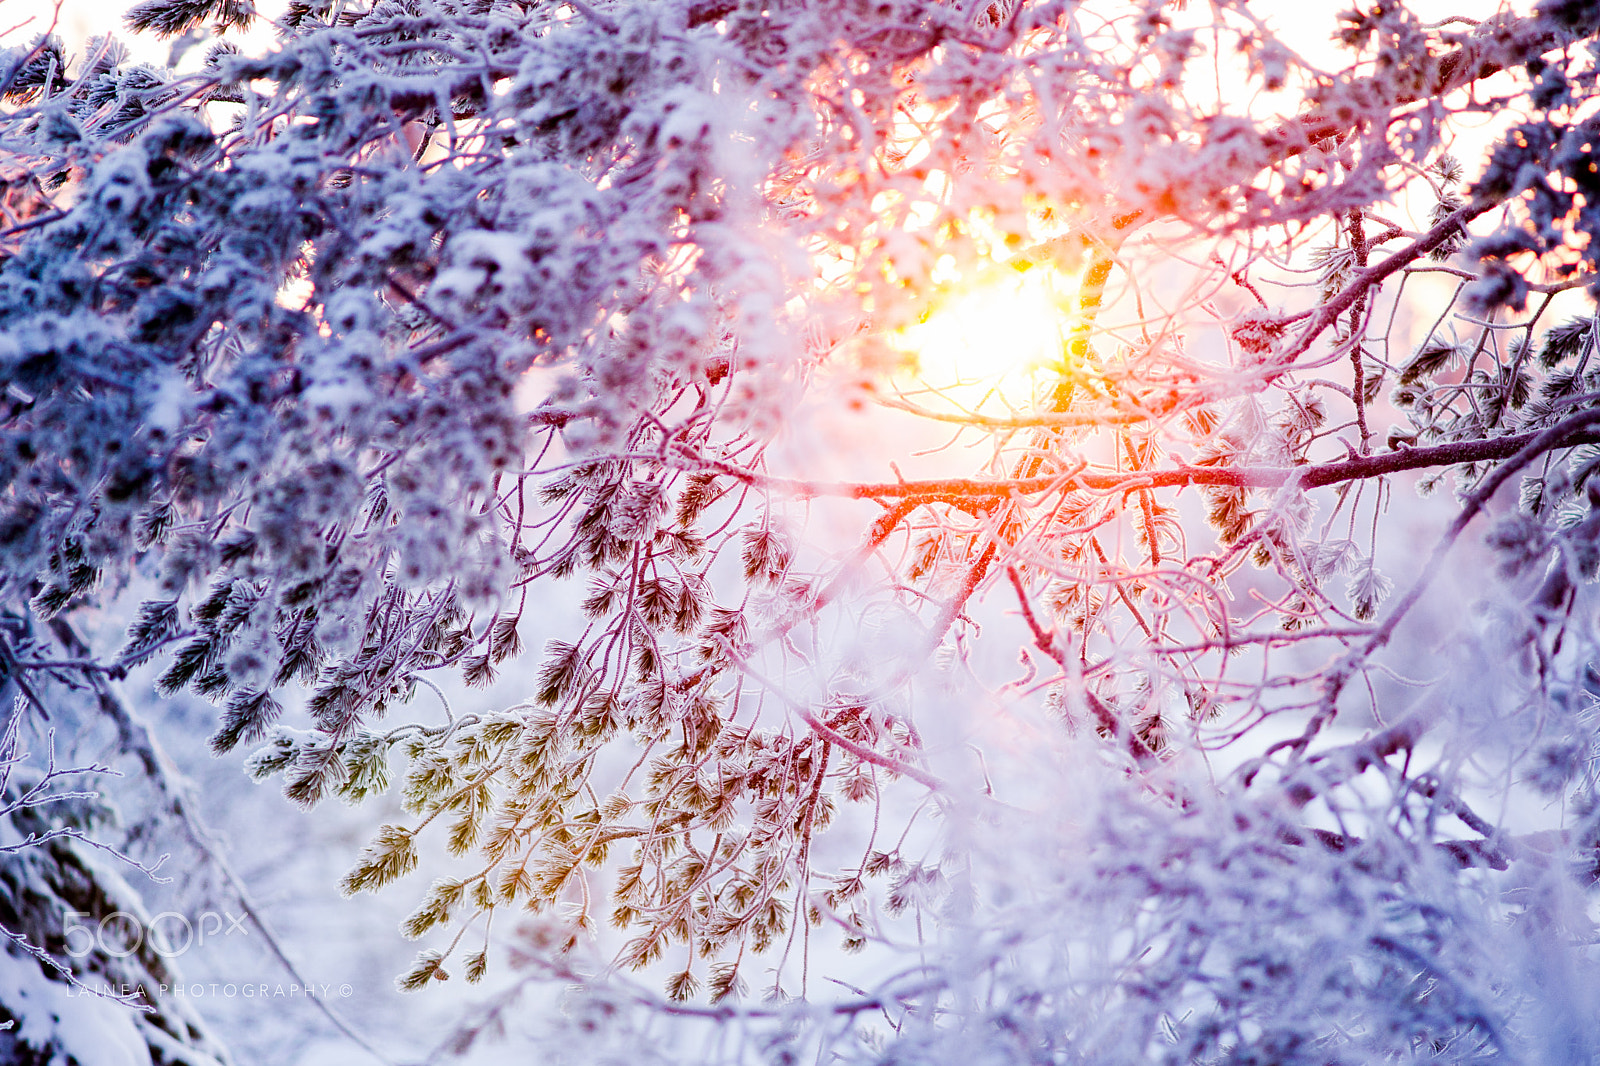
992	337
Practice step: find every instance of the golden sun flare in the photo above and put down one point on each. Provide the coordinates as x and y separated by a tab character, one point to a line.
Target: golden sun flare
992	336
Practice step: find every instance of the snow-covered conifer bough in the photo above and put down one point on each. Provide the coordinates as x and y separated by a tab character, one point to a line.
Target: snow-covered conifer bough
951	464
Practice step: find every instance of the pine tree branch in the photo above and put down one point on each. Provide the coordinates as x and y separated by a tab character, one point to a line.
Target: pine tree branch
1577	429
1364	280
138	740
1066	419
831	735
1498	44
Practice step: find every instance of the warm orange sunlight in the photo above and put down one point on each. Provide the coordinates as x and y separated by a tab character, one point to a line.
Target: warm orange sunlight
989	339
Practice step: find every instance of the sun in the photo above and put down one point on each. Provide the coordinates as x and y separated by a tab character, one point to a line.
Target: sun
993	336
